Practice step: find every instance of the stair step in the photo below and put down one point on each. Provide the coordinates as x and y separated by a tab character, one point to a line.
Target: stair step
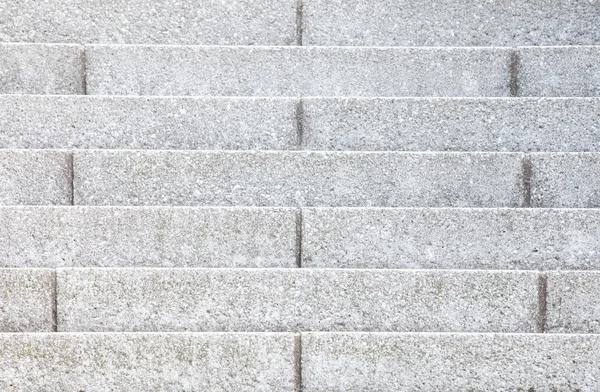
279	178
27	300
573	301
449	362
147	362
526	239
449	23
283	300
41	69
369	124
149	237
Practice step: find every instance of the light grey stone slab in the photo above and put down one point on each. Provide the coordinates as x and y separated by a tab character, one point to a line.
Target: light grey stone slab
146	362
280	178
35	177
147	123
453	124
559	71
450	23
236	300
572	302
151	237
525	239
232	22
41	69
449	362
26	300
565	180
296	71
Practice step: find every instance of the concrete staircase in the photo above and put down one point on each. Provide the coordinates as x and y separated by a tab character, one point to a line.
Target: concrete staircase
300	195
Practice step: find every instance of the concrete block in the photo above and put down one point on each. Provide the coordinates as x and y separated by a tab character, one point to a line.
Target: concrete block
505	239
41	69
570	71
452	124
296	71
26	300
35	177
450	23
232	22
146	362
572	302
279	178
282	300
147	123
565	180
150	237
449	362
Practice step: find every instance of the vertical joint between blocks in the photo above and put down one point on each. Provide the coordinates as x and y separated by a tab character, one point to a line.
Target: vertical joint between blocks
542	302
298	363
54	301
299	238
514	73
71	178
83	70
299	21
299	124
526	175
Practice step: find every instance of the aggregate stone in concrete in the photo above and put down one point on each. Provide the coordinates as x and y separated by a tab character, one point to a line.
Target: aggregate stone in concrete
572	302
151	237
452	124
565	180
279	178
450	23
41	69
449	362
231	22
147	123
525	239
35	177
559	71
26	300
296	71
255	300
146	362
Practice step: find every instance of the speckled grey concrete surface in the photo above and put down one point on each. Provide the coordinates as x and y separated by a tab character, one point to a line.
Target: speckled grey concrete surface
572	302
454	124
560	71
151	237
41	69
146	362
98	300
296	71
147	123
35	177
232	22
26	300
279	178
449	362
450	23
565	180
526	239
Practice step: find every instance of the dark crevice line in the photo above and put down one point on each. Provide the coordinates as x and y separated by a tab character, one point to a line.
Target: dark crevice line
299	124
542	302
54	302
514	73
526	175
299	238
298	363
71	178
84	70
299	21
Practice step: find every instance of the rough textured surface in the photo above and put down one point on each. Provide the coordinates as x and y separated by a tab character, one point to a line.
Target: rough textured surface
450	22
152	237
573	305
295	299
462	124
293	71
41	69
231	22
527	239
297	178
35	177
147	123
450	362
565	180
560	71
146	362
26	300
